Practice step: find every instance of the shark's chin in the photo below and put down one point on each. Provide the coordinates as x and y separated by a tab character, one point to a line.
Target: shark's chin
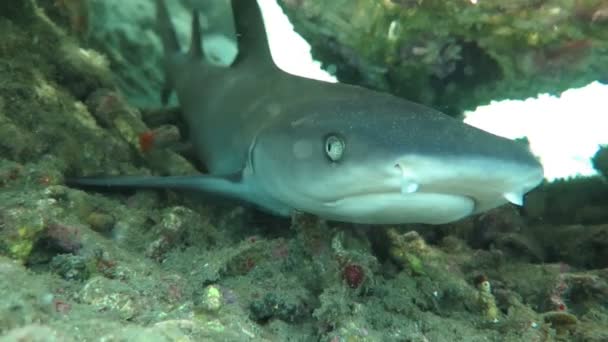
395	208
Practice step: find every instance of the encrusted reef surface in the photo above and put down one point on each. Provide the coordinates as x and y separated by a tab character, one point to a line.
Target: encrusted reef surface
458	54
162	266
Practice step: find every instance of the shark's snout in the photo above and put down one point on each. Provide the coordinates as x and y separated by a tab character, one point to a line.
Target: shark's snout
432	189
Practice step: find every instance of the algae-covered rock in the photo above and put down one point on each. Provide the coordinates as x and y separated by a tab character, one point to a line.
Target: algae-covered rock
561	321
212	298
407	249
453	55
600	161
456	55
273	306
578	200
159	266
70	267
580	245
35	333
112	297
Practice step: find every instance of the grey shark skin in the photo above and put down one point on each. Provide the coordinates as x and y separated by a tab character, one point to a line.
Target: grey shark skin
341	152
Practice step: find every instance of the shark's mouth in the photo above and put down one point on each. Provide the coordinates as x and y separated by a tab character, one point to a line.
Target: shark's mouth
396	207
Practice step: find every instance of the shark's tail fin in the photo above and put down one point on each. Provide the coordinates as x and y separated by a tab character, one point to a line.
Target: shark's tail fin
171	47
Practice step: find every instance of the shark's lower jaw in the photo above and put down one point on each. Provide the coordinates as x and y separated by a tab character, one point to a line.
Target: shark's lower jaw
395	208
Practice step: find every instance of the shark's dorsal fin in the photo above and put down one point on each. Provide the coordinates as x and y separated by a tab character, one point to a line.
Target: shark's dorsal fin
196	49
168	37
165	28
251	33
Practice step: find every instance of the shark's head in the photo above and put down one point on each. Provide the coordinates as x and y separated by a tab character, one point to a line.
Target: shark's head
366	157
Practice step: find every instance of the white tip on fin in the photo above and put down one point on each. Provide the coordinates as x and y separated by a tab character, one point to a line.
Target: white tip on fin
514	197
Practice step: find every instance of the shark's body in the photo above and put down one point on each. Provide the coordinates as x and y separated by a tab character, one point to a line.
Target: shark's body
286	143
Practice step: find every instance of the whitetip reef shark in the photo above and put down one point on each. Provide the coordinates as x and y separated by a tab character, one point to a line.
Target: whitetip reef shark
285	143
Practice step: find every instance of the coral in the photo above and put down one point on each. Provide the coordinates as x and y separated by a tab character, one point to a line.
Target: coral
354	275
212	298
486	299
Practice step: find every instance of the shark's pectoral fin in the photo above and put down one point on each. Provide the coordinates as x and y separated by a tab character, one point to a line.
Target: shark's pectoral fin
228	186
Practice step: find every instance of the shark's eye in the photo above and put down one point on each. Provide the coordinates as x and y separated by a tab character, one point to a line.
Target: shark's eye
334	147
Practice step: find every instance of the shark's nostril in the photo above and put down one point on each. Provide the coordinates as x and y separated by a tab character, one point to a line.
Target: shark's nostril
408	184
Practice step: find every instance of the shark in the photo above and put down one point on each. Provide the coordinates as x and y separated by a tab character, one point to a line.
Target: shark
287	144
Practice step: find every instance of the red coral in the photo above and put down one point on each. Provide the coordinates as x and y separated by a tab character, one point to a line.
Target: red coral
146	141
354	275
